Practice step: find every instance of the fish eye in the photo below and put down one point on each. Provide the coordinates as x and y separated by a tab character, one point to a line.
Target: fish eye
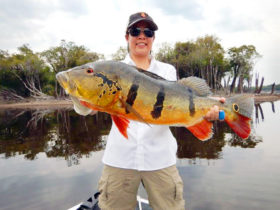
235	107
89	70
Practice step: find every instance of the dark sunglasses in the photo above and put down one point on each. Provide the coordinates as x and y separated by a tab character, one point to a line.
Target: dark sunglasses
136	32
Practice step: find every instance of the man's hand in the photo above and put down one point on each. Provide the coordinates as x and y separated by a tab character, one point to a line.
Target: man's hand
213	113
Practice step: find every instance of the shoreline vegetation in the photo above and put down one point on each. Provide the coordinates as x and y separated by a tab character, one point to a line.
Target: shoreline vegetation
67	103
27	78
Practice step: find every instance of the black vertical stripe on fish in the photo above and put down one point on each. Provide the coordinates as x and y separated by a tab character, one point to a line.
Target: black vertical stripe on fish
158	106
132	93
131	96
191	104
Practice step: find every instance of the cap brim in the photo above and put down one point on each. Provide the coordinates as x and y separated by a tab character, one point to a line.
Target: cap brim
153	26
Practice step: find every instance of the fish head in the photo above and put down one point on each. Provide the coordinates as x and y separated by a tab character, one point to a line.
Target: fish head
91	83
238	111
240	105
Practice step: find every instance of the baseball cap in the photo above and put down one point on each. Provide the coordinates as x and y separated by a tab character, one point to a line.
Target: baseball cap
141	16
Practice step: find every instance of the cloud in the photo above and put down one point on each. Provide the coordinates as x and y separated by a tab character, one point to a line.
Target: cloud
73	7
230	21
32	9
26	9
23	21
100	25
188	9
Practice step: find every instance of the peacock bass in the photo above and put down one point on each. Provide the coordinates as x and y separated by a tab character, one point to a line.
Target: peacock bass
129	93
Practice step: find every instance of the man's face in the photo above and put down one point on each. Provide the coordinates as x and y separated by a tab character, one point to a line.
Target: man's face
140	45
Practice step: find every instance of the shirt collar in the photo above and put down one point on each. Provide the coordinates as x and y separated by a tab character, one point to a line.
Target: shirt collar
129	61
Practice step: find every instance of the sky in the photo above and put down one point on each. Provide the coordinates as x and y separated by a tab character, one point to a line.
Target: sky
100	25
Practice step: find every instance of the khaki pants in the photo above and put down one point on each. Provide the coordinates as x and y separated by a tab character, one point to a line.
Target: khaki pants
118	188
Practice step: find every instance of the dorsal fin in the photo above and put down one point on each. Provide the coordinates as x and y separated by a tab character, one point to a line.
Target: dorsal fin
197	84
148	73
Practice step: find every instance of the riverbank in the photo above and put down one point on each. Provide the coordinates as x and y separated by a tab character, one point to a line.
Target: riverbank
67	103
260	98
37	104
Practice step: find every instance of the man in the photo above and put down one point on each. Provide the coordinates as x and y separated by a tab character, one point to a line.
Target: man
149	153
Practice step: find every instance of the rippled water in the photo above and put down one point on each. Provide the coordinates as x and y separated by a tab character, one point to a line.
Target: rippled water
51	159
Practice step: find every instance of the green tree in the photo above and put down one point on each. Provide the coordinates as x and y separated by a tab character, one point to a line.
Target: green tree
23	72
120	54
203	58
8	81
210	57
242	60
166	53
68	55
184	59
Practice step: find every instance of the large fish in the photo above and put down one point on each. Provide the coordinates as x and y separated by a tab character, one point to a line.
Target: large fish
129	93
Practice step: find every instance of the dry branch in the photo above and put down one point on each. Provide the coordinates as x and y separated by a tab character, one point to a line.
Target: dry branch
29	84
10	95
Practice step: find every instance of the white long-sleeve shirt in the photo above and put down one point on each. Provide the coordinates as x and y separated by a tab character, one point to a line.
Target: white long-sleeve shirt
147	147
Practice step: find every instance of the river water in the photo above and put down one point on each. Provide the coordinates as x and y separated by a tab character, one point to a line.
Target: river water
51	159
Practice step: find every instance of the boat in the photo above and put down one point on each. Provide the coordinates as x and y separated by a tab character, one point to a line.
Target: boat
92	204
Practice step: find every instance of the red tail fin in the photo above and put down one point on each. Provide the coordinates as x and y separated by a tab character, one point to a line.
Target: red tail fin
240	125
122	124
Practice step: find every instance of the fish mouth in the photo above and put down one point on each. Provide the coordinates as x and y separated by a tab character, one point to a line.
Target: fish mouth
65	82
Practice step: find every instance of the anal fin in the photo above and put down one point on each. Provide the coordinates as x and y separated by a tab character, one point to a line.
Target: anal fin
202	130
122	124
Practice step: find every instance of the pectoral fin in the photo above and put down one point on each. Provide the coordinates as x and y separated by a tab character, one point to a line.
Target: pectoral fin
132	110
90	106
122	124
202	130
